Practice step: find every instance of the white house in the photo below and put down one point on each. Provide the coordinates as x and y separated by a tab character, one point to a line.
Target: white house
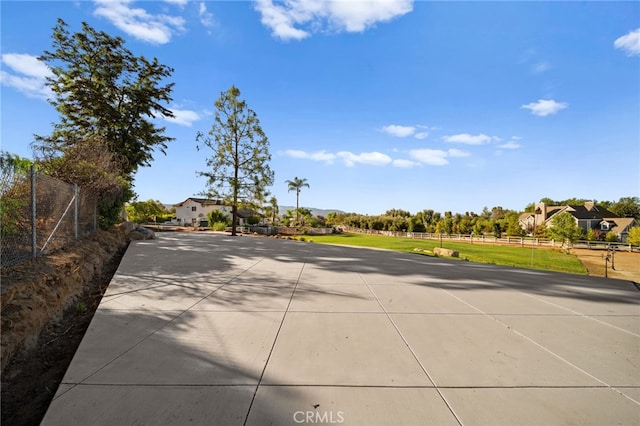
194	210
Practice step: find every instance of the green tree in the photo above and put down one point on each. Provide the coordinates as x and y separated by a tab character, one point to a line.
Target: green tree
217	216
305	215
416	224
627	207
253	219
513	225
272	210
145	211
398	212
106	97
102	91
90	165
399	223
445	225
12	164
288	217
573	202
497	230
634	236
239	169
498	213
15	195
296	185
564	229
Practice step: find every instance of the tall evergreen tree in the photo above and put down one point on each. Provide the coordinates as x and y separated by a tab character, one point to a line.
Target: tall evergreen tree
238	171
104	92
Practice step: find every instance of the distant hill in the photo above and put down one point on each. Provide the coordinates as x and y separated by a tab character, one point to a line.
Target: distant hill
314	211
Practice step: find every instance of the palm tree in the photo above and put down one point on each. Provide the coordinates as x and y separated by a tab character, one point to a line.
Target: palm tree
296	185
272	210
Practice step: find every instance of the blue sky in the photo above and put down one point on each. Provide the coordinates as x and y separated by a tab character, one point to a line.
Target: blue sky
378	104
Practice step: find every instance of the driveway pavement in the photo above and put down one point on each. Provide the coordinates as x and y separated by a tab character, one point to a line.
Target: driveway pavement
206	329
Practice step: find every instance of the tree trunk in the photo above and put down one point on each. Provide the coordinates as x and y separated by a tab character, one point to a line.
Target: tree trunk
234	219
234	208
297	206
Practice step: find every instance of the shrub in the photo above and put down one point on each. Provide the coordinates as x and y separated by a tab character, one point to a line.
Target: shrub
634	236
218	226
611	237
216	216
253	220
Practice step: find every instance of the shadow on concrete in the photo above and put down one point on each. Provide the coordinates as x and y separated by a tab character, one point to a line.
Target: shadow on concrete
145	322
156	377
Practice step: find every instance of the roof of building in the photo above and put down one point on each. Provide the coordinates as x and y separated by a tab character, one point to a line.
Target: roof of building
551	210
621	224
242	213
202	201
580	211
588	211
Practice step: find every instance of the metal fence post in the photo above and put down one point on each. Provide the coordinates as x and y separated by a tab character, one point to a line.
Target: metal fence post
75	211
34	246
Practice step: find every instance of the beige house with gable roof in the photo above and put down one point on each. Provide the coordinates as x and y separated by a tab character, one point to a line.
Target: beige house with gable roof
587	216
193	211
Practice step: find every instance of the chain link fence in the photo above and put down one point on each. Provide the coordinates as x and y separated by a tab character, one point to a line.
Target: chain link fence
40	214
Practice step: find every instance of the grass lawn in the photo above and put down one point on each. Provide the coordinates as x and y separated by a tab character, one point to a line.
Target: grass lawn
543	258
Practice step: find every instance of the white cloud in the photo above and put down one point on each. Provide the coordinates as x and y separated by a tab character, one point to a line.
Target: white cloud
357	16
349	158
206	18
629	43
468	139
421	135
545	107
399	131
458	153
540	67
432	157
436	157
512	144
184	117
27	64
405	164
285	18
370	158
181	3
280	21
316	156
31	77
137	22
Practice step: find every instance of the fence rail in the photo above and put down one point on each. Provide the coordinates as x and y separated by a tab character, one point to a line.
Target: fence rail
40	214
481	239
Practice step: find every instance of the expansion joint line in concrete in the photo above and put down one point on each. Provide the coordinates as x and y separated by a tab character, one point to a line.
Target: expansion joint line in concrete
415	356
571	311
544	348
275	340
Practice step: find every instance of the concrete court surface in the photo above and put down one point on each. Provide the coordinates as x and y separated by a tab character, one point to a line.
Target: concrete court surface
208	329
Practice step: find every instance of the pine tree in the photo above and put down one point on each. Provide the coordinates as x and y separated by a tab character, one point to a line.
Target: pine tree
238	171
